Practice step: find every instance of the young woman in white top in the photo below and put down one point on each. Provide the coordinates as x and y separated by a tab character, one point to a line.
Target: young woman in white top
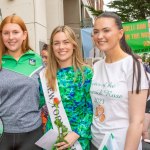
119	87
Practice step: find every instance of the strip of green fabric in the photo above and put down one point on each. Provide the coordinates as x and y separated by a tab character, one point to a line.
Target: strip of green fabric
26	65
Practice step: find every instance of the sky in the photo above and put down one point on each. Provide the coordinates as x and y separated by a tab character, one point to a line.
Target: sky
105	3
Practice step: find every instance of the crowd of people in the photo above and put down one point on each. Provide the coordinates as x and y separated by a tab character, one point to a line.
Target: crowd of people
64	94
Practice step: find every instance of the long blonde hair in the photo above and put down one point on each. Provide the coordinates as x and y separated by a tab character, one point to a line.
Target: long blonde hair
53	64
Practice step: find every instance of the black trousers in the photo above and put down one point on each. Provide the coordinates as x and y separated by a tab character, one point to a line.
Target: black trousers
145	146
92	147
21	141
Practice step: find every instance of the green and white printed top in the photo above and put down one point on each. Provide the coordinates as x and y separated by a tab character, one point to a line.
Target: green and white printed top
74	91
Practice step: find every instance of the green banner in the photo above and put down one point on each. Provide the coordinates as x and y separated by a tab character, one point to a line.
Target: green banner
138	35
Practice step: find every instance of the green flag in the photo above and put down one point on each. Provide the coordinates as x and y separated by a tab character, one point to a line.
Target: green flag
138	35
108	143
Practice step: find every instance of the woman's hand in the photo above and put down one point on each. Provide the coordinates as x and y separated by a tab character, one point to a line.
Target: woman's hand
70	138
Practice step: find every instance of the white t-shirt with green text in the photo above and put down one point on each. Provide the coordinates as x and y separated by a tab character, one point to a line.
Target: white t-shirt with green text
110	85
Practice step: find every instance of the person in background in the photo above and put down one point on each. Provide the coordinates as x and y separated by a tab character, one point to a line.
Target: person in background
67	70
145	132
119	87
147	68
44	111
44	54
19	87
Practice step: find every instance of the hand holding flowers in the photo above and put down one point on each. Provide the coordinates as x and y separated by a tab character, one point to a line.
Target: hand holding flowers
62	129
71	138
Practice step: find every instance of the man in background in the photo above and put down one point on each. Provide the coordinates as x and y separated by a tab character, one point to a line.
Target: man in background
44	54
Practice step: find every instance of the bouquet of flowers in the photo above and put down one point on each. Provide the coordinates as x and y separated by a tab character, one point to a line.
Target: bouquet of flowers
62	129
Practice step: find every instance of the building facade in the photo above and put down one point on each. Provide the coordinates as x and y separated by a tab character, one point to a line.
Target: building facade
42	16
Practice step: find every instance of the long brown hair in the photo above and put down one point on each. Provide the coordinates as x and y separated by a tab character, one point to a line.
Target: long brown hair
125	47
53	64
0	59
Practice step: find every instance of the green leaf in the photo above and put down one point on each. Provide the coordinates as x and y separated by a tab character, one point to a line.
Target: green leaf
58	122
131	10
93	11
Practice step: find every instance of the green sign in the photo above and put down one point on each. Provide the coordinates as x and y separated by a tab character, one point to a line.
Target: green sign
138	35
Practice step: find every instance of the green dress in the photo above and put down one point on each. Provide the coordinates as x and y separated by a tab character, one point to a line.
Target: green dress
74	91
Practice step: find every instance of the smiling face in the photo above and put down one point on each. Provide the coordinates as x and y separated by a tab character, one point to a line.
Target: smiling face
106	34
63	49
13	37
44	55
